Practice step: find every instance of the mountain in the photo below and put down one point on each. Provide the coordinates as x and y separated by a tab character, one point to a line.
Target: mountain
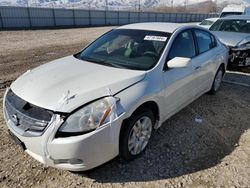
95	4
115	4
218	2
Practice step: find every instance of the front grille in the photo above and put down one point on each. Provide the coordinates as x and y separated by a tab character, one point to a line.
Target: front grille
239	57
28	120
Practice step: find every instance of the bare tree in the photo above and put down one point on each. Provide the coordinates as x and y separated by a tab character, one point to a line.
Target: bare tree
212	7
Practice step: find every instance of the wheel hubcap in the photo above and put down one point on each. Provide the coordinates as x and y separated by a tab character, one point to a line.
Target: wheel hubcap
139	135
217	81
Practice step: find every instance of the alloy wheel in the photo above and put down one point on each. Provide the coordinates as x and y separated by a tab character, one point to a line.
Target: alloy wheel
139	135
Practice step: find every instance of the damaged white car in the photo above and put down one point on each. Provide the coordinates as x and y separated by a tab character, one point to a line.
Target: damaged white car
234	32
78	112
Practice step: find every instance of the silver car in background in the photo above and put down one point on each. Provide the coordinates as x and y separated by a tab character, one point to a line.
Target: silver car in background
234	32
207	23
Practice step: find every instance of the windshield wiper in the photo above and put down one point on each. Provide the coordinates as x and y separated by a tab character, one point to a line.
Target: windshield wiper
102	62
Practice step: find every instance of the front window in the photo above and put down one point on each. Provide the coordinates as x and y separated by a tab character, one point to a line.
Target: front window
183	46
126	48
204	41
240	26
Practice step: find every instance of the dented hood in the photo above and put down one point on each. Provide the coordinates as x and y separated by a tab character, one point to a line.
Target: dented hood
230	38
79	81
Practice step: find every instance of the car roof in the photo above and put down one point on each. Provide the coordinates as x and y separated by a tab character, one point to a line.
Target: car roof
235	17
234	8
154	26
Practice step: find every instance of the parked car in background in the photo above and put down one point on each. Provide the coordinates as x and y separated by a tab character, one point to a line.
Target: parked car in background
234	32
235	10
207	22
80	111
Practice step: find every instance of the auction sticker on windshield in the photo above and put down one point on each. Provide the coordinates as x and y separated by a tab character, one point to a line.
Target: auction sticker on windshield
156	38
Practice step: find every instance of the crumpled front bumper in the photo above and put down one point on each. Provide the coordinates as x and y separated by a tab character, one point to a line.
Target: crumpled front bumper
75	153
239	57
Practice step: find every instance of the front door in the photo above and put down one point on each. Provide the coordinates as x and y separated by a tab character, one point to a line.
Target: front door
180	82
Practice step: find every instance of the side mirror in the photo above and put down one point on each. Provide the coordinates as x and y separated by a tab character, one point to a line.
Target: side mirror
179	62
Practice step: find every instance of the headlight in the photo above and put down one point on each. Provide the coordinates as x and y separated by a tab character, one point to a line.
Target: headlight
91	116
244	44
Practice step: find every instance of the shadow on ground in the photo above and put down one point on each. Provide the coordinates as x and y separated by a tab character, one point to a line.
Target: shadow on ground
182	146
241	78
240	69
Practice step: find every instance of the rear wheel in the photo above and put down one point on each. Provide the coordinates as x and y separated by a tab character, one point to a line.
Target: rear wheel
217	81
136	134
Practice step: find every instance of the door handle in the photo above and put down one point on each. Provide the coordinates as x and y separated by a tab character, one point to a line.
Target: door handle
197	68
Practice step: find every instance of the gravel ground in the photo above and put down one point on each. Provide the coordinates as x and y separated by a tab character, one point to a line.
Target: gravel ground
182	153
22	50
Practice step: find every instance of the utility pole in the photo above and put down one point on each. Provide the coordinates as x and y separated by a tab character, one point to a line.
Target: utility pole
107	4
172	3
185	5
89	5
28	11
139	5
216	6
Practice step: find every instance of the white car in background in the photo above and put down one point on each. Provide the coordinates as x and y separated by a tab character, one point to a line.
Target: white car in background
80	111
207	22
231	10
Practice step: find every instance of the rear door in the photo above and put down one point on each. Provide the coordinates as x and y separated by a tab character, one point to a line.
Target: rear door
206	60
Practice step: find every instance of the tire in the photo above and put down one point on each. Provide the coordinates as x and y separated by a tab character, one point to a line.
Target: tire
136	133
217	81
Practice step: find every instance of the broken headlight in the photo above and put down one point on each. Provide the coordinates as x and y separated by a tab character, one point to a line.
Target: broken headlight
244	44
90	117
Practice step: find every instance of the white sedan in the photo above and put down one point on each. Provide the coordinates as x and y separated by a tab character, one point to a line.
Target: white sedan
80	111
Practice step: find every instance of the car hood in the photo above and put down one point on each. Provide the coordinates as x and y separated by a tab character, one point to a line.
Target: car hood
230	38
67	83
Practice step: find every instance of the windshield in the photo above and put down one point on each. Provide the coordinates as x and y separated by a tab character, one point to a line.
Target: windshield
225	14
240	26
206	22
126	48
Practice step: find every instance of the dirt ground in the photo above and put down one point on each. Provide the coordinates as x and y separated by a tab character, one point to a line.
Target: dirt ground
182	153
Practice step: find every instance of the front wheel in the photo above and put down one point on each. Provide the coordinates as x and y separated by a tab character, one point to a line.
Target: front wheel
136	134
217	81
